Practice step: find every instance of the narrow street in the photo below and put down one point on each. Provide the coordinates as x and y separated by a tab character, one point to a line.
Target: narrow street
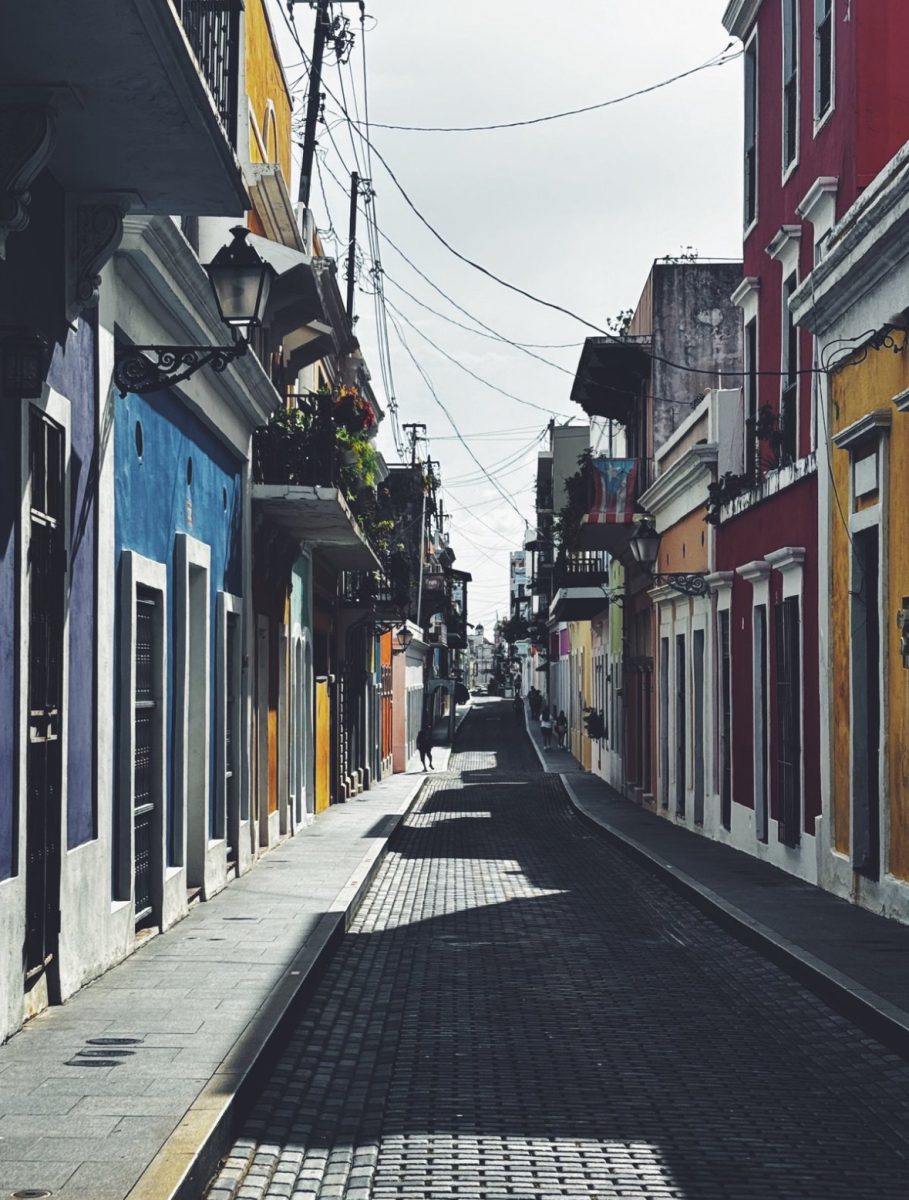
520	1010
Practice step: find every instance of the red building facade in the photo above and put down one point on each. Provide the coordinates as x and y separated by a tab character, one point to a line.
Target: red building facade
826	106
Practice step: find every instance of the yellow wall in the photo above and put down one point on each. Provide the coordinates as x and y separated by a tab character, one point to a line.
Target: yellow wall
581	644
267	90
683	547
856	389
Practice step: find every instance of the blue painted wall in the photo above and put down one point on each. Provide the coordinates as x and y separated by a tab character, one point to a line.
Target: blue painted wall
154	502
72	374
9	507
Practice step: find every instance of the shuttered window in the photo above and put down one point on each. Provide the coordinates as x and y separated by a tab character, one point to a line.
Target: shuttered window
790	82
823	58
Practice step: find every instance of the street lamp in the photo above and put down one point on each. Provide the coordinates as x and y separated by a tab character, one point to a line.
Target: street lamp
404	638
241	281
645	546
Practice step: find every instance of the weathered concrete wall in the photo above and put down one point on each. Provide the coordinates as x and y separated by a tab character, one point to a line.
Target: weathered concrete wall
695	325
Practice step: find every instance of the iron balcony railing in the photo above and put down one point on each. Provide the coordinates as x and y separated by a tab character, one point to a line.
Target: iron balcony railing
581	569
213	30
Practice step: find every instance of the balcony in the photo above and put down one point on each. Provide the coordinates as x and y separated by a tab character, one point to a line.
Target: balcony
611	376
579	581
141	98
373	590
309	476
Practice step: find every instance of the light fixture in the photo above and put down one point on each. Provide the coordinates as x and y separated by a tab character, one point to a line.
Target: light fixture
241	281
404	637
645	547
24	359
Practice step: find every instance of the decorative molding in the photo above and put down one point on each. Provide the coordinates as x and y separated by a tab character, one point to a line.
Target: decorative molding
27	139
872	424
746	294
901	401
740	16
774	482
786	560
785	246
755	571
819	205
94	231
720	581
680	478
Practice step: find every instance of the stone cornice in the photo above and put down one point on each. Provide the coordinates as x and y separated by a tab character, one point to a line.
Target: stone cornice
681	477
750	286
787	559
871	424
782	245
756	571
721	581
822	189
740	16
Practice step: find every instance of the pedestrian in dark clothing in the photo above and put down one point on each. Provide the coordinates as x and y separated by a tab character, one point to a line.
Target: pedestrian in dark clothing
536	703
424	746
561	728
517	707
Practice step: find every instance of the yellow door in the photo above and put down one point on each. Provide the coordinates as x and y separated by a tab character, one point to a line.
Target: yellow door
323	745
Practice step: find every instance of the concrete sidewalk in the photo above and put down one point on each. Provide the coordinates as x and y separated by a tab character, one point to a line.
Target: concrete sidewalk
857	961
129	1089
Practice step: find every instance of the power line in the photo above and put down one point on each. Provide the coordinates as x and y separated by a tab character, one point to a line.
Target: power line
718	60
505	495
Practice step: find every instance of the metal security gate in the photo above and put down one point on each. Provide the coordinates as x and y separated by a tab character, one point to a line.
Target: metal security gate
46	570
145	801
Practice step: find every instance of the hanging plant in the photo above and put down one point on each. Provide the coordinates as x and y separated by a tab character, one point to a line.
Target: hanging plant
353	412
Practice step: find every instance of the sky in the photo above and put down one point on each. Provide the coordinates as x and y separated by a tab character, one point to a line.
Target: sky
573	210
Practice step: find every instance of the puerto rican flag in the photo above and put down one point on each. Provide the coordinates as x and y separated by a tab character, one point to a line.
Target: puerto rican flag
614	484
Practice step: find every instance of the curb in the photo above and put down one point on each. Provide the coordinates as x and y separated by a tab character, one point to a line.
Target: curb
185	1164
880	1018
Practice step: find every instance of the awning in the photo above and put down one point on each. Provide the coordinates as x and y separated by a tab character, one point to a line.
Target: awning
318	518
613	537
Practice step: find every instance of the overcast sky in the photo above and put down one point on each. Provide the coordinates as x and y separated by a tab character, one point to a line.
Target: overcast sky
573	210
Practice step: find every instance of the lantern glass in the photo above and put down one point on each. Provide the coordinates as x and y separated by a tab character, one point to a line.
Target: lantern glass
645	545
241	281
405	637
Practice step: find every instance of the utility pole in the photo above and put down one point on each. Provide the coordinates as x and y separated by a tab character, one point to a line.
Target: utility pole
411	428
312	105
342	42
352	243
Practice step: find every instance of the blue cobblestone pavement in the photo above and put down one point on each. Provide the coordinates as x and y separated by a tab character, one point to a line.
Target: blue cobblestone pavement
521	1010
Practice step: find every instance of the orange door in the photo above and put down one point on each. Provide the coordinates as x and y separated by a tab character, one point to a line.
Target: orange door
323	745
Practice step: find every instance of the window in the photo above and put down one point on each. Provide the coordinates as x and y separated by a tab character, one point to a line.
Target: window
751	132
790	82
788	715
823	58
751	399
664	722
681	725
790	377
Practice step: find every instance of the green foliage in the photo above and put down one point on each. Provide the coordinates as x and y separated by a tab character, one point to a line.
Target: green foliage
577	487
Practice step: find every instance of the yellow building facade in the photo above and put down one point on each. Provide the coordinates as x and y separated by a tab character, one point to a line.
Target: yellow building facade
855	303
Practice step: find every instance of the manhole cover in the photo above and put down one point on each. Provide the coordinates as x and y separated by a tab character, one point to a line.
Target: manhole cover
112	1041
30	1194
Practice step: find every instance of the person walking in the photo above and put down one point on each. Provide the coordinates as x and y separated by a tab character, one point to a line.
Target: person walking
536	703
561	729
517	707
424	746
546	728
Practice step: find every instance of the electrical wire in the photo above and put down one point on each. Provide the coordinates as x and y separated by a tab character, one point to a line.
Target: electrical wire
718	60
505	495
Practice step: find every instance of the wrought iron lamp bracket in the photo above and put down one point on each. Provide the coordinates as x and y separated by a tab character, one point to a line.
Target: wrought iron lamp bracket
142	369
688	583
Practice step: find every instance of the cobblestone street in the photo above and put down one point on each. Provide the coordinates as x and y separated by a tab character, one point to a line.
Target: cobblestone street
520	1010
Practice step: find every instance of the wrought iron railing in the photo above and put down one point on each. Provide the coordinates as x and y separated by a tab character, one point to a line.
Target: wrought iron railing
213	30
299	446
581	569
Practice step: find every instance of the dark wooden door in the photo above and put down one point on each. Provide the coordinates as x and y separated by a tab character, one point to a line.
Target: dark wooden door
46	570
